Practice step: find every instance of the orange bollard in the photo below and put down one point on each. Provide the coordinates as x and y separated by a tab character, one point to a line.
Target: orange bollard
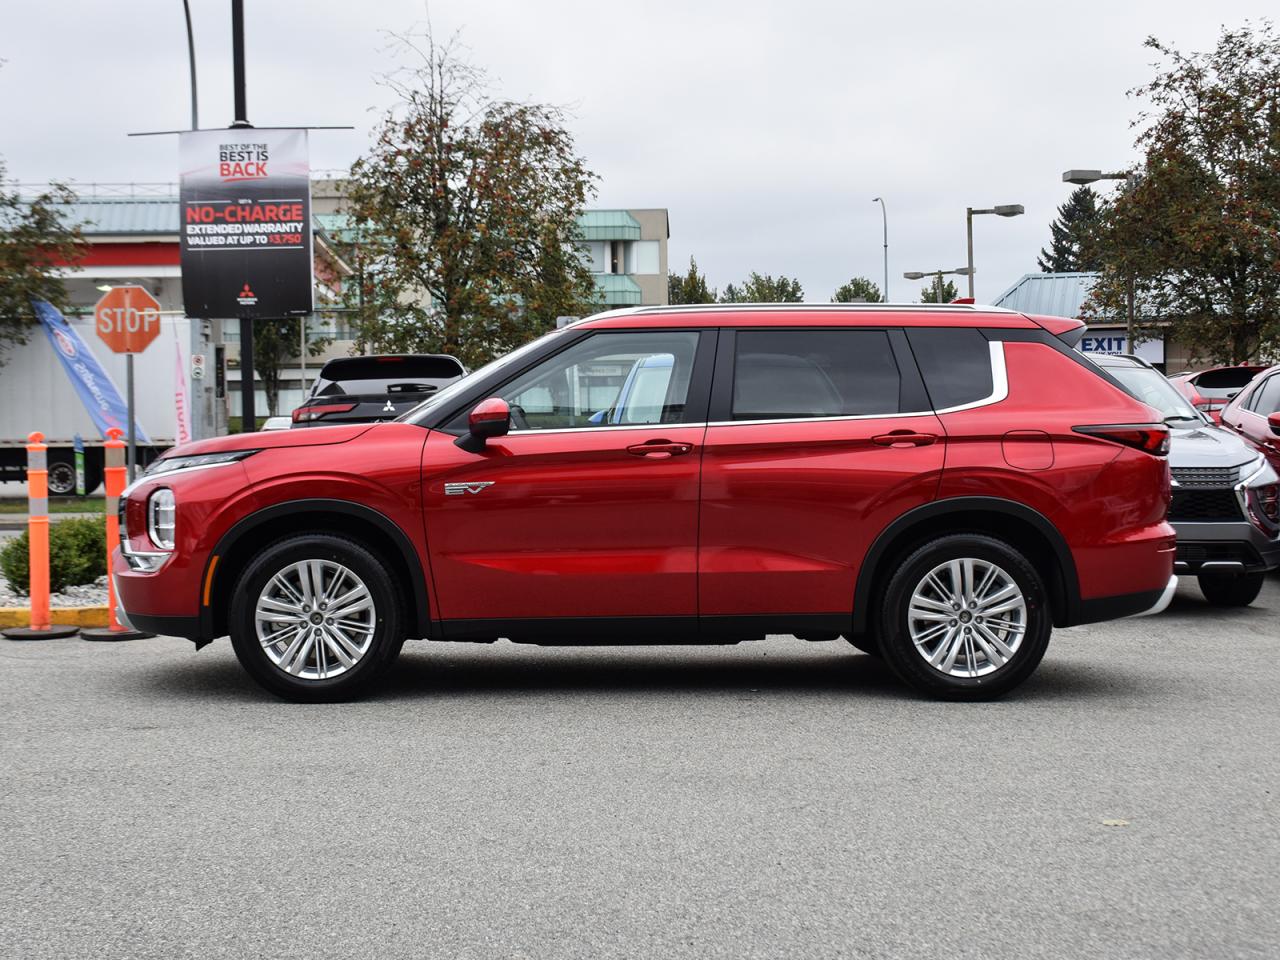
115	479
38	540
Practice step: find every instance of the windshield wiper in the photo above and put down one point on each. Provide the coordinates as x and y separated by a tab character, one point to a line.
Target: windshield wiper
1180	416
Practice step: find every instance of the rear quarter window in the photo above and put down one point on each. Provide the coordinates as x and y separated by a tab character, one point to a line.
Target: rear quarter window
955	364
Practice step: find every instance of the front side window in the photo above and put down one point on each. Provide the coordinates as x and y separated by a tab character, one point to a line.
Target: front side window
793	374
1266	397
608	379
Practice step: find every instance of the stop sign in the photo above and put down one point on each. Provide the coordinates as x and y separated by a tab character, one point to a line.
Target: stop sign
128	319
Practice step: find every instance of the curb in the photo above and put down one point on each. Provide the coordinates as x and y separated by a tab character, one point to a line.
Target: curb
69	616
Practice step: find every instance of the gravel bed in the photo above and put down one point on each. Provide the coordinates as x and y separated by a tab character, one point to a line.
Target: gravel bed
86	595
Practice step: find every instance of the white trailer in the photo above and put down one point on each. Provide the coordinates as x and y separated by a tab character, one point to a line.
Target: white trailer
36	394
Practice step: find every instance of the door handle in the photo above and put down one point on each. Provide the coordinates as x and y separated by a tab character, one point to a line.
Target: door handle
904	438
659	449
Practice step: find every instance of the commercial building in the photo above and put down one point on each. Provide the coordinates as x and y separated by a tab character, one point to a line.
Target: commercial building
1064	295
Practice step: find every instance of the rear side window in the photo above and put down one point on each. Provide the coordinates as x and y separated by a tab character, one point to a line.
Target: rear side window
955	364
792	374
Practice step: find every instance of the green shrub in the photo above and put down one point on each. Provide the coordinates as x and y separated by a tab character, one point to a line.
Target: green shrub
77	554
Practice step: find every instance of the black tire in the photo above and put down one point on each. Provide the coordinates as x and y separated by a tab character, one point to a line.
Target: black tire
900	651
388	618
1231	591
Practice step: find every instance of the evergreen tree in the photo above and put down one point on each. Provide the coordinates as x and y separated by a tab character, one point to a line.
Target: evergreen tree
929	294
690	288
764	289
1069	233
857	290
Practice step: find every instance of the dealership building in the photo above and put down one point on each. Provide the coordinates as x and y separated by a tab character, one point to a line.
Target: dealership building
132	233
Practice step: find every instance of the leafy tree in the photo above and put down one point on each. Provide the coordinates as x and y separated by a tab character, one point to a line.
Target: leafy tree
690	288
1196	235
35	239
929	294
764	289
1069	234
857	290
465	217
274	343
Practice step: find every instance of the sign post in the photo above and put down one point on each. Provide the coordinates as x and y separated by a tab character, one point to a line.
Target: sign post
128	320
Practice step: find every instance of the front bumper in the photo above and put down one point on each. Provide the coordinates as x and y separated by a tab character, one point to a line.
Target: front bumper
1224	547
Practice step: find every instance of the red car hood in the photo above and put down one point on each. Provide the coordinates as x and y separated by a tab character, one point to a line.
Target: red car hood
266	439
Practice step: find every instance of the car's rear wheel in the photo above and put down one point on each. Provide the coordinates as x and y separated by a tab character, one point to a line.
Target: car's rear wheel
315	618
1225	590
965	617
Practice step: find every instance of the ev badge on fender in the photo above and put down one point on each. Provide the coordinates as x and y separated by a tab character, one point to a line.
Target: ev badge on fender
460	489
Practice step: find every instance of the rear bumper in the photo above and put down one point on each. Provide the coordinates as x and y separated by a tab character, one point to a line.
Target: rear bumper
1141	604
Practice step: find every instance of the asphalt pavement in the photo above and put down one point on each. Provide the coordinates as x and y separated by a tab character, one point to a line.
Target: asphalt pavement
773	799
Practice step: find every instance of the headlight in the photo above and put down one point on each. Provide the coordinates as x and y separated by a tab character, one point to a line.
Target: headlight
197	462
161	518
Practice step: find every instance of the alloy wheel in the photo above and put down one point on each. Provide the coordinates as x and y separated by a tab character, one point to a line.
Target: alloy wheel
315	619
967	617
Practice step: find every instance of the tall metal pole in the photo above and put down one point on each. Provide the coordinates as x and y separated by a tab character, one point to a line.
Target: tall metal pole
248	416
191	60
1130	296
884	216
133	430
237	63
938	282
968	229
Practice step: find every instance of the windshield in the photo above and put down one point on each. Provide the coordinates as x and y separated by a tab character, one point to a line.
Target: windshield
445	396
1153	389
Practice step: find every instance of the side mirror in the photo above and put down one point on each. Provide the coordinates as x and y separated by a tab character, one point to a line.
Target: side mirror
489	418
1274	420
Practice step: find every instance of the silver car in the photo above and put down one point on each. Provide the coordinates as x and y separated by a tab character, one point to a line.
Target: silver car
1226	497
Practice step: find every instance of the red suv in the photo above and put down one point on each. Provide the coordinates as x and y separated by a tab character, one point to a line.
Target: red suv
1255	413
939	485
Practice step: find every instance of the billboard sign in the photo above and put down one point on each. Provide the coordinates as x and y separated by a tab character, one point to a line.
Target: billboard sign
246	223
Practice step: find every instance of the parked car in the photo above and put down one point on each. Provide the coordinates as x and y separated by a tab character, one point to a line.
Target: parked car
1210	390
1226	496
369	389
941	485
1255	413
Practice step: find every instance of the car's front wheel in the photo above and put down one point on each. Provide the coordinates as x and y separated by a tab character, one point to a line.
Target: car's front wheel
1225	590
315	618
965	617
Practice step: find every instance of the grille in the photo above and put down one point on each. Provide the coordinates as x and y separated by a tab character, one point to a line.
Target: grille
1198	552
1206	476
1204	505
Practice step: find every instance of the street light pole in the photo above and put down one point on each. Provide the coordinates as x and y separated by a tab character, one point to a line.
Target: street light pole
937	278
884	216
1000	210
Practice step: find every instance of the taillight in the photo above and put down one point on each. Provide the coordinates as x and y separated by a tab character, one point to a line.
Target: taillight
1152	438
315	411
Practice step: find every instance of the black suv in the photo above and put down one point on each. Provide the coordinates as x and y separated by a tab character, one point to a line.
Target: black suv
369	389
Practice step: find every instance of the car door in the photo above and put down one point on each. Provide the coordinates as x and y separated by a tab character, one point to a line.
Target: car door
818	439
586	511
1247	414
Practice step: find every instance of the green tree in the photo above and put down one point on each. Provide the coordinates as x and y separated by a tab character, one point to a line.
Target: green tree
689	288
1196	233
465	213
1069	235
857	290
764	289
275	343
929	294
35	239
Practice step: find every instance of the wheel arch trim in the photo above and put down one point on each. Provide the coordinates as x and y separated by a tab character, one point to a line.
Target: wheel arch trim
420	617
884	543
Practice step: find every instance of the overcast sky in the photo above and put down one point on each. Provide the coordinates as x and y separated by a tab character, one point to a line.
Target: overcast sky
766	128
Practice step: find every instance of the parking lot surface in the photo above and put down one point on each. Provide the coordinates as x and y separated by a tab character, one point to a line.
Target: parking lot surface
773	799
